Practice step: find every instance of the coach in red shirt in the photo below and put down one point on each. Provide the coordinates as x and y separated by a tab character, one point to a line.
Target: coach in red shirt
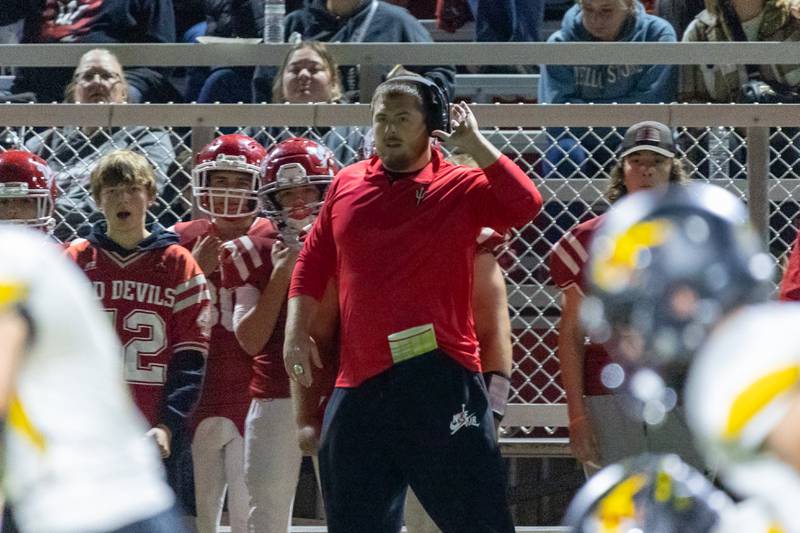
398	233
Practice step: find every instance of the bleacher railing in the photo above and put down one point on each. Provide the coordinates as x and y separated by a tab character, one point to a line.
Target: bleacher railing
244	54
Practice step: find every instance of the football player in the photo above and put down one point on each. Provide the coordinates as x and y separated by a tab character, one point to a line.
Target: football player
674	277
75	458
27	197
225	180
652	493
295	174
599	433
27	190
156	296
743	407
664	268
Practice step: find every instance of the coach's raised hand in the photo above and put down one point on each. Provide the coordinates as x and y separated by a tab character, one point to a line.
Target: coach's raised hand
466	136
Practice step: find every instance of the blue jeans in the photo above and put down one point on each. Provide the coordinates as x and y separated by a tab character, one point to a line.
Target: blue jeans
227	85
191	34
507	20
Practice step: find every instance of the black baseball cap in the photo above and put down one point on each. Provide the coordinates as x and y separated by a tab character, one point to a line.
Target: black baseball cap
648	135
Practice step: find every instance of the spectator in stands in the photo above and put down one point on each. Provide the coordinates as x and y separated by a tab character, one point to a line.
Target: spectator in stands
227	18
507	20
354	21
310	74
761	20
495	21
10	33
72	151
599	432
588	151
753	20
190	20
679	13
100	21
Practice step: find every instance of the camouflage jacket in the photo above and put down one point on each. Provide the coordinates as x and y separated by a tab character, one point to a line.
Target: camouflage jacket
721	83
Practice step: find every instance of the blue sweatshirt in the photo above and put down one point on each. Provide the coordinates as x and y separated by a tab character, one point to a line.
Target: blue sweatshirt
604	84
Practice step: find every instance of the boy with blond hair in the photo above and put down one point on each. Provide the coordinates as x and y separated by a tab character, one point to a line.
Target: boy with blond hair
156	297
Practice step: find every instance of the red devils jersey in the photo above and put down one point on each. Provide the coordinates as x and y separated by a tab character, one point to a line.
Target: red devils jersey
570	255
248	262
568	262
158	301
489	240
790	284
225	390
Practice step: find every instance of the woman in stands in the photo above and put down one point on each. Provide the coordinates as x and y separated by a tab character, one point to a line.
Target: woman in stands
308	75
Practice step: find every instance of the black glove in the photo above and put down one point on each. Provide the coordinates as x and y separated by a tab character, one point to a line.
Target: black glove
761	92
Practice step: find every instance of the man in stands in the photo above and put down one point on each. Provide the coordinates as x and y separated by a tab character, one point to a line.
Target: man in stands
89	21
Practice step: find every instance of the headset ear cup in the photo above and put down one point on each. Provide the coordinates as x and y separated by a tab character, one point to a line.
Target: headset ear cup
444	111
439	118
436	102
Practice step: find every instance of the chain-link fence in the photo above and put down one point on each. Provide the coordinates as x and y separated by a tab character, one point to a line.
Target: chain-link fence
569	165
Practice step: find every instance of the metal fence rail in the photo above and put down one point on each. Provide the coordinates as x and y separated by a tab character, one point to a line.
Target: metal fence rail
247	54
752	150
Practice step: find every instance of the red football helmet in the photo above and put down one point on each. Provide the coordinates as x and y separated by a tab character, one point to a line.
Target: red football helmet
24	175
229	153
301	165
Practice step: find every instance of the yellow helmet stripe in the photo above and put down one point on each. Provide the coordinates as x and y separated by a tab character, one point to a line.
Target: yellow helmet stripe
18	421
639	236
620	257
756	396
12	293
618	505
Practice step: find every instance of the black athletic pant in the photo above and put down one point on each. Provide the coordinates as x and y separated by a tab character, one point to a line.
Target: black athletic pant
425	423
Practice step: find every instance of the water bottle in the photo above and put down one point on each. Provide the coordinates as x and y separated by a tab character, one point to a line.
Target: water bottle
274	11
719	152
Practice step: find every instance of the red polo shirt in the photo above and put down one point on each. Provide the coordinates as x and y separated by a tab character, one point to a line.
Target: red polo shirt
403	253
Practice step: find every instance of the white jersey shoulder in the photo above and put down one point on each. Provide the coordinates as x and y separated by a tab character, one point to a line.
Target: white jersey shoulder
755	351
245	255
753	516
739	389
77	458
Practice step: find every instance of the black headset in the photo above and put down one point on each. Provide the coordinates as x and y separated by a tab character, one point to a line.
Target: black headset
437	106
